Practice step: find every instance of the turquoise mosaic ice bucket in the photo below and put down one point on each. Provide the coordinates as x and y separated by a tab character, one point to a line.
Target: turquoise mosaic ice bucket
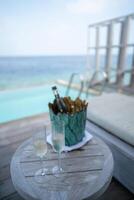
74	126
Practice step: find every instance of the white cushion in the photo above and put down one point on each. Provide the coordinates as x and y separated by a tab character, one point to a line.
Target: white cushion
115	113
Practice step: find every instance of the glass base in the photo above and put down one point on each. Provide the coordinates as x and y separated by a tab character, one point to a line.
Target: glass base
40	175
57	171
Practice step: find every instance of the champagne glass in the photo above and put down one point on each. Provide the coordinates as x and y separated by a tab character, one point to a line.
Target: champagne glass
40	148
58	139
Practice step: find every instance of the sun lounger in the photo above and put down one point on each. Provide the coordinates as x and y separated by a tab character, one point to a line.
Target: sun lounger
111	117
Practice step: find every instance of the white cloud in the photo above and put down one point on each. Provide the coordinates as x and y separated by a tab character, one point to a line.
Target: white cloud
86	6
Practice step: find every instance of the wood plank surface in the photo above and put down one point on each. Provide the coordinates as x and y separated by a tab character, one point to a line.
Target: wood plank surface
78	164
12	134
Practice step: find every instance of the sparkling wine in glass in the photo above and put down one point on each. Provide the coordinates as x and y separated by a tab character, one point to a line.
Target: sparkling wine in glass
58	142
40	149
58	139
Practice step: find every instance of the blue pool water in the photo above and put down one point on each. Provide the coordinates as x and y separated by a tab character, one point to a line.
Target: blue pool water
24	102
17	104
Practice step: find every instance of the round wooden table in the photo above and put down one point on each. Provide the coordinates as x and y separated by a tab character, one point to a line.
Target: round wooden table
87	172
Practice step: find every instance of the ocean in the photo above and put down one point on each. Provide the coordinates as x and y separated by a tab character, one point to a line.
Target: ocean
19	72
22	72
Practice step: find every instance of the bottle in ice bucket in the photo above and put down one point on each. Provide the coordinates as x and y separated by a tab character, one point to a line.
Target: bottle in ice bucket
72	113
59	101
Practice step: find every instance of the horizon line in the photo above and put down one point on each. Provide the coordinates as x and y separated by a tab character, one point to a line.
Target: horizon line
30	55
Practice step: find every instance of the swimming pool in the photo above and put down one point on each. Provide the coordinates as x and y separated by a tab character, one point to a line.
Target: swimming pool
16	104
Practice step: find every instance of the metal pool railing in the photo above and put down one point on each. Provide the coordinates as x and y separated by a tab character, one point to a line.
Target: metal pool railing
125	28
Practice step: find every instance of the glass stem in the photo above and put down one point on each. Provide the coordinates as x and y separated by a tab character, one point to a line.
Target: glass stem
59	161
42	167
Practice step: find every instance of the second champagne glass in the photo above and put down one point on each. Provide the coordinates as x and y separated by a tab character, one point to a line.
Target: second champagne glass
58	139
40	148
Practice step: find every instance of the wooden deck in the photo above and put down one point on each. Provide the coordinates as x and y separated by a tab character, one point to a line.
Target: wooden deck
12	134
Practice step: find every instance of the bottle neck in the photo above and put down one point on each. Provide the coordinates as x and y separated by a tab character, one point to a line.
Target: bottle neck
59	101
56	94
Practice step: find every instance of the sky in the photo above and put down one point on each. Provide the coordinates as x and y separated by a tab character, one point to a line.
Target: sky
53	27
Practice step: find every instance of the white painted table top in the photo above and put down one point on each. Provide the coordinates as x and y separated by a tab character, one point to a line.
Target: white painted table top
87	172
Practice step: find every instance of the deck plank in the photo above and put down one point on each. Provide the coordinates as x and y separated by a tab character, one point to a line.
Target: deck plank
12	134
13	196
